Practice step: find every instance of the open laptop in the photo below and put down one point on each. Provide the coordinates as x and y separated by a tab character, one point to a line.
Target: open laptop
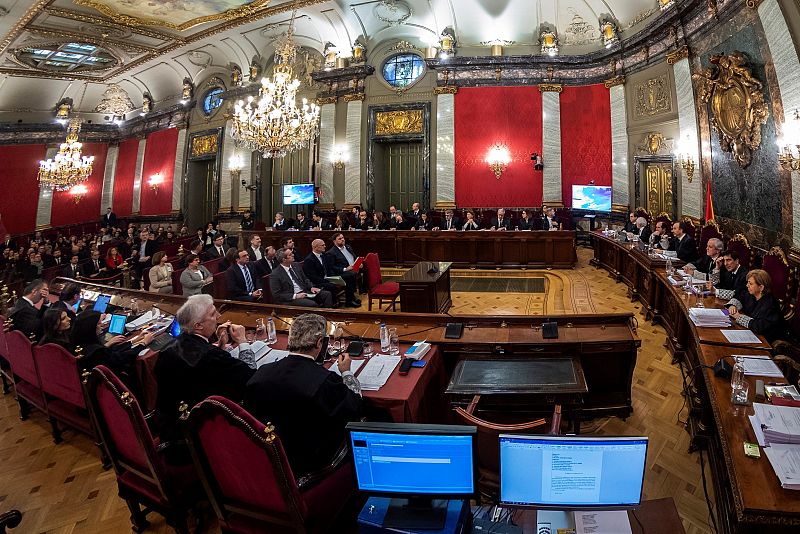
166	337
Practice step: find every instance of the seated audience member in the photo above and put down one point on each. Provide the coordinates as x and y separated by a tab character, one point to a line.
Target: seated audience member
143	252
288	242
300	222
95	268
319	223
315	267
757	309
70	295
255	250
113	261
196	248
630	226
291	286
161	274
379	221
230	258
642	230
392	212
415	212
682	243
424	222
449	222
194	277
708	262
401	223
72	269
500	222
308	404
247	222
217	250
209	235
730	281
470	224
25	315
243	282
56	325
549	222
525	221
352	217
117	353
193	368
341	262
341	223
660	238
55	259
362	223
280	222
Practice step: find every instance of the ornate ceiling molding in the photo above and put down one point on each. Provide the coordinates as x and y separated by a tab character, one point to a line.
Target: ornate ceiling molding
123	44
445	90
677	55
105	21
613	82
19	27
550	87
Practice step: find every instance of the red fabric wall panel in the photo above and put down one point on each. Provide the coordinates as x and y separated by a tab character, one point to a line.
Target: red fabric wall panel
123	177
65	210
585	138
159	158
20	188
485	116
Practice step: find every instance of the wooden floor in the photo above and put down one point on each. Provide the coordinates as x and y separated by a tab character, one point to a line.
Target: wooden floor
62	488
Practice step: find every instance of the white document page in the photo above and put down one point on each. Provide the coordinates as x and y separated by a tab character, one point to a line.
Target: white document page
785	461
740	336
377	371
572	477
756	424
781	419
354	367
271	357
605	522
758	365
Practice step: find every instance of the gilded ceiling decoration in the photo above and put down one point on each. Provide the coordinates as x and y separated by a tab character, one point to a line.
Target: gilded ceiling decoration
736	102
115	101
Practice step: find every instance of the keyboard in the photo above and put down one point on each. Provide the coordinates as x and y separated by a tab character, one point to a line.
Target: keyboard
160	342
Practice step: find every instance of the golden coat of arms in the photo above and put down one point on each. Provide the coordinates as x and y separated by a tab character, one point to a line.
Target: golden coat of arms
737	104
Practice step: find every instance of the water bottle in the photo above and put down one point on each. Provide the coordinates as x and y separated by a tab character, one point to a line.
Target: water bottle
670	270
739	385
272	336
384	339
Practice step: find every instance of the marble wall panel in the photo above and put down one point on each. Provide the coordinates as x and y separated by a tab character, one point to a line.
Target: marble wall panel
45	204
551	147
352	171
445	149
108	178
620	181
327	134
177	176
137	178
691	193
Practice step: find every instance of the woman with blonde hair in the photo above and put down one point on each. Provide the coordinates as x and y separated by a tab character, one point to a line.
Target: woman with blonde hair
758	310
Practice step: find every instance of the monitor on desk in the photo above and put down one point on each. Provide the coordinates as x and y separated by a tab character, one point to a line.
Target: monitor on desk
415	464
572	472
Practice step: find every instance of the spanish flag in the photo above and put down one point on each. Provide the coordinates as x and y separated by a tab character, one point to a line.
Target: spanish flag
709	204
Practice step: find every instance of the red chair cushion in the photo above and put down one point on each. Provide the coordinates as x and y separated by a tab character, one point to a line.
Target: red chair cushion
386	288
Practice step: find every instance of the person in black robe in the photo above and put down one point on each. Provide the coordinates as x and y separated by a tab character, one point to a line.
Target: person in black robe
758	310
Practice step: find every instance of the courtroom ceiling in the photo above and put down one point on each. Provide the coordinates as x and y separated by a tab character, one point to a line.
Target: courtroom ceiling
150	46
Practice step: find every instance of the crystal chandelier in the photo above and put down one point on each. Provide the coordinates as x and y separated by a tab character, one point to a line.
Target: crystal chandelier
273	123
69	168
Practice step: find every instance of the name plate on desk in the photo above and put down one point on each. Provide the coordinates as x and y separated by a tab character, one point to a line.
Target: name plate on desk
540	375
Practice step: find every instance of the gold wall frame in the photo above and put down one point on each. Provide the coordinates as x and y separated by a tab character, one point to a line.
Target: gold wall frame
736	103
398	122
204	145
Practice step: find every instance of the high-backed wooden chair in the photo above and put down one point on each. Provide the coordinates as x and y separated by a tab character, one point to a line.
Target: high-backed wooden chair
377	289
177	288
665	218
27	386
266	291
710	230
248	478
742	247
219	288
642	212
144	478
778	269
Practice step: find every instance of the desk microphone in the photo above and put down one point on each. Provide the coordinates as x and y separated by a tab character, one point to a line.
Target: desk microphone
434	268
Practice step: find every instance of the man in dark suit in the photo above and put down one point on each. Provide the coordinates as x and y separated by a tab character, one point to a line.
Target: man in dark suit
72	269
315	266
291	286
500	222
25	316
8	242
53	260
300	222
280	222
193	368
682	243
218	250
319	223
70	295
143	251
109	219
308	404
449	222
730	281
255	250
94	268
242	280
708	262
341	264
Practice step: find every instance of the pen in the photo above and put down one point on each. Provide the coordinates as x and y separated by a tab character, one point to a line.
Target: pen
380	370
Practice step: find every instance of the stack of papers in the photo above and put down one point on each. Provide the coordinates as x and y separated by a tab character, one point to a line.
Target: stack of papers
377	371
741	336
709	317
141	321
785	461
778	424
263	353
758	365
355	365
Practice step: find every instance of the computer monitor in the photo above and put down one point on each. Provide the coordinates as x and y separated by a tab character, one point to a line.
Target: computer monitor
298	194
572	472
101	303
421	466
591	197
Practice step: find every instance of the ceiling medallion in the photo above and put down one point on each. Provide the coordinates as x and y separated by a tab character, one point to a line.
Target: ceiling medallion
578	31
392	12
115	101
737	104
402	46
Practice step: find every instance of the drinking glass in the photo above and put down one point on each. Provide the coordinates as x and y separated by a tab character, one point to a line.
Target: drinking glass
260	328
394	342
333	347
367	350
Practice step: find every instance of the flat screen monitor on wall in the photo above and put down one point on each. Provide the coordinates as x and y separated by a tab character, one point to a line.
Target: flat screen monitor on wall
298	194
591	197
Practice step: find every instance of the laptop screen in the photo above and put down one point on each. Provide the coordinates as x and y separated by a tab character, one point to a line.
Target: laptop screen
101	303
117	324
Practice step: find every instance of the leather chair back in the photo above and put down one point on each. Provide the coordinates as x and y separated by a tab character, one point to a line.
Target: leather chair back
266	291
59	373
372	265
177	288
20	356
778	269
220	286
709	230
742	247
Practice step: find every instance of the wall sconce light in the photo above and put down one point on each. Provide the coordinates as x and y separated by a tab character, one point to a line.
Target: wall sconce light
331	53
63	110
789	144
340	157
549	42
447	45
609	32
235	166
538	163
684	157
498	158
155	181
665	4
77	192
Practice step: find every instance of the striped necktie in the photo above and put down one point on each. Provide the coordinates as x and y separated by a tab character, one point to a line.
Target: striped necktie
248	280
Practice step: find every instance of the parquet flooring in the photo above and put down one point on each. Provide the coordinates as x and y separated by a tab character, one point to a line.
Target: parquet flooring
62	488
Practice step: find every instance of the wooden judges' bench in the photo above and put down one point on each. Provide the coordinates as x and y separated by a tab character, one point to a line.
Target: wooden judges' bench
606	344
748	496
476	249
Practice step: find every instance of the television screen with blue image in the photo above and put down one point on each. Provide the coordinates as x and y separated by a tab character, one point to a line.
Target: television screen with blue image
591	197
298	194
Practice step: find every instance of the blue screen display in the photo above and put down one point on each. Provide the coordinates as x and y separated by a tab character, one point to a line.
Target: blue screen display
294	194
101	303
591	197
174	328
117	324
569	472
413	463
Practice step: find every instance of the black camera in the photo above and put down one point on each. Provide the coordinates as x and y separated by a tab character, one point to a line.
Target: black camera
538	165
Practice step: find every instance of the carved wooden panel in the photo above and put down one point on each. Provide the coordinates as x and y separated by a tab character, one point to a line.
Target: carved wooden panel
653	97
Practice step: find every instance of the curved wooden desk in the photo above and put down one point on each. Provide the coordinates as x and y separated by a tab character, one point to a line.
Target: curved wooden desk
747	492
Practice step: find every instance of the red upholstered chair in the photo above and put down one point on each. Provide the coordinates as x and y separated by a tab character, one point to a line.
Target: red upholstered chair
249	480
778	269
376	287
709	230
213	266
259	226
143	475
27	385
740	245
5	367
266	292
177	288
219	289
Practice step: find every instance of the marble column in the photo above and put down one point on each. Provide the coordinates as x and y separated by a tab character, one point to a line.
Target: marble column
137	178
692	194
177	176
551	144
619	147
327	134
785	60
108	178
445	148
45	203
352	171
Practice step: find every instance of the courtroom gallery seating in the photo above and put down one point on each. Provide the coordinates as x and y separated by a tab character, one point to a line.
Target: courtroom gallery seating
27	386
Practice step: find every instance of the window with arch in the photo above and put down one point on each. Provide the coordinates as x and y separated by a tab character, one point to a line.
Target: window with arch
401	70
212	100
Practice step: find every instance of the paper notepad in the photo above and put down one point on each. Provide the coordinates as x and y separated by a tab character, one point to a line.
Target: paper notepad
272	356
354	367
785	461
377	371
740	336
758	365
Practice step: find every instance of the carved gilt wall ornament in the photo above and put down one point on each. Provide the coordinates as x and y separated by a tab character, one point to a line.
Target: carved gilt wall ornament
550	87
398	122
204	145
677	55
736	102
652	98
653	143
115	101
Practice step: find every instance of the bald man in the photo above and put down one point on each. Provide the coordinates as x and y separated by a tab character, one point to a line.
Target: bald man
316	267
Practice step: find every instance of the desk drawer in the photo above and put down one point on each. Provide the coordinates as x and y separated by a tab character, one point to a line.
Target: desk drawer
604	348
